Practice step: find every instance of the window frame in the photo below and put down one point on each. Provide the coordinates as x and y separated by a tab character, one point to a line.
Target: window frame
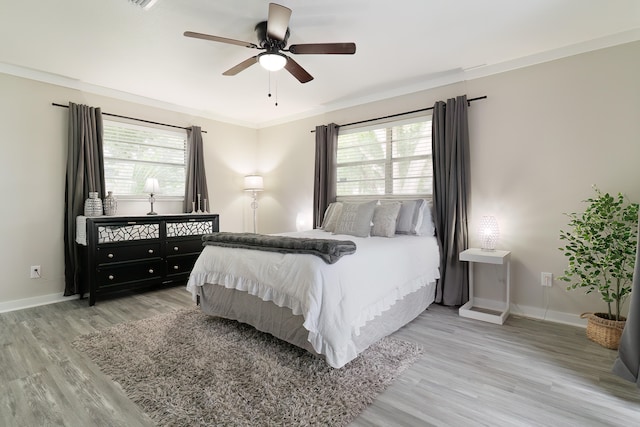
388	161
149	128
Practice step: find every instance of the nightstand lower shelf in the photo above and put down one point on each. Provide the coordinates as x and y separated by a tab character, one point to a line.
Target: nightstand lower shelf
484	314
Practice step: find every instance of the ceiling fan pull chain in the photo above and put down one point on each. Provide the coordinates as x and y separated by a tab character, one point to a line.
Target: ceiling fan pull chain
269	94
276	90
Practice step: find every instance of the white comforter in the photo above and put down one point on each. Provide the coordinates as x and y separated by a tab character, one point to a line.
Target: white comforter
336	300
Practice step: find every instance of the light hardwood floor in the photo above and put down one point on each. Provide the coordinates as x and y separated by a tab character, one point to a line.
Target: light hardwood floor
524	373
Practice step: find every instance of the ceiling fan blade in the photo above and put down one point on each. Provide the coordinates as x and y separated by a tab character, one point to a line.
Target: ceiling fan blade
219	39
241	66
278	21
323	48
297	71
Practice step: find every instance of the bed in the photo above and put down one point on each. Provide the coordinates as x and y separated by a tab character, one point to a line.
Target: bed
334	310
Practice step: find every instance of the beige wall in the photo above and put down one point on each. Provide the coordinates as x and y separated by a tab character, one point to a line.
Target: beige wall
32	179
545	134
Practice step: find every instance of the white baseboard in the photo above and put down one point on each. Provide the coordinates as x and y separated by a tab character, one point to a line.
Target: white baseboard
20	304
548	315
534	312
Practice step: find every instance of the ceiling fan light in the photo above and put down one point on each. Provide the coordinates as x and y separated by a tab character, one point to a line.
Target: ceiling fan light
272	61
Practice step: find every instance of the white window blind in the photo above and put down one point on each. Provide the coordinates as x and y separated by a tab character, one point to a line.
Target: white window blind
133	153
386	159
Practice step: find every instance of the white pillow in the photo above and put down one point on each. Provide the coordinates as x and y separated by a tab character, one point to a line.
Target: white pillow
410	216
427	227
355	219
384	219
331	216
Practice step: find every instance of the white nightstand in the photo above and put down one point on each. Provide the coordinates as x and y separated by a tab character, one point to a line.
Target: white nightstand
487	257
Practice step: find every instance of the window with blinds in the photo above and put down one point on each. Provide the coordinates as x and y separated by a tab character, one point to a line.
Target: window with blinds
389	159
133	153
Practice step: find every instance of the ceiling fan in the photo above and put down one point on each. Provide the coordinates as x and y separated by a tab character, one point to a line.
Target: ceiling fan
272	38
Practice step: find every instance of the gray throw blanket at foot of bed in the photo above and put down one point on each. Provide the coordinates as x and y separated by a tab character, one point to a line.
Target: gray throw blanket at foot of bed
328	249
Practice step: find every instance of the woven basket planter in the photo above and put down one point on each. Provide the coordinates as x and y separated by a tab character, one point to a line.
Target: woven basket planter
604	331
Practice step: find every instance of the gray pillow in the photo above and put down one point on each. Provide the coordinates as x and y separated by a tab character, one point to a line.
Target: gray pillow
410	216
384	219
331	216
355	219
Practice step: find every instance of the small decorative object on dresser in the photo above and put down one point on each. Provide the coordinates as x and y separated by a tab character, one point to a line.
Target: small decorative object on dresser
93	205
151	186
141	252
110	204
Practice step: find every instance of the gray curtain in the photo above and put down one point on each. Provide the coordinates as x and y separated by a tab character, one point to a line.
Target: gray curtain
85	173
450	145
196	182
627	365
324	189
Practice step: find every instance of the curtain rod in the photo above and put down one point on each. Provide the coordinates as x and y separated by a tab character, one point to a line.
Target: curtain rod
133	118
401	114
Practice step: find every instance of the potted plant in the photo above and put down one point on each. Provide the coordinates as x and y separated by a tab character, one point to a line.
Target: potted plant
601	248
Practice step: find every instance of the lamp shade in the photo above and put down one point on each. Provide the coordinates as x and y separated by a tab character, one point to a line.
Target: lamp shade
151	186
272	61
489	233
253	183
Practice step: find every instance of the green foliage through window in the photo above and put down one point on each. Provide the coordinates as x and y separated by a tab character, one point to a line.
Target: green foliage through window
134	153
389	159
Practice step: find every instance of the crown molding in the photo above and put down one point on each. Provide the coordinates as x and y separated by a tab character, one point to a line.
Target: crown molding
71	83
461	75
456	76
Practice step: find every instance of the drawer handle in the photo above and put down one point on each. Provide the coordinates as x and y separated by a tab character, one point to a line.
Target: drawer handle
176	267
151	271
150	251
175	248
111	277
110	256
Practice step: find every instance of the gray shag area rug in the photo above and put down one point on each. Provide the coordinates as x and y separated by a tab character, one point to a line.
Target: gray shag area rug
186	368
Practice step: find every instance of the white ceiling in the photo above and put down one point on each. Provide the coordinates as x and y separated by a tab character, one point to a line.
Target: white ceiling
115	48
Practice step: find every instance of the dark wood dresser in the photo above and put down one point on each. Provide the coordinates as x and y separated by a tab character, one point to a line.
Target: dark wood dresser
126	253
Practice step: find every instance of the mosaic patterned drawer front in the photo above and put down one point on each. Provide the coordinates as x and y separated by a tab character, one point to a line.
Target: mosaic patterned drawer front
189	228
124	233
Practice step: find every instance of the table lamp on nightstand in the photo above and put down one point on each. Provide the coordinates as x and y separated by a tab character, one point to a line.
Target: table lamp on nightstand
489	233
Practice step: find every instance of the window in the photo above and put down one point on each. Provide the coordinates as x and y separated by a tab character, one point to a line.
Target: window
389	159
133	153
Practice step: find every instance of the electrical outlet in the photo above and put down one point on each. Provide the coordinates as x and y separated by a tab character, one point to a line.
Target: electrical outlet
546	280
36	273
